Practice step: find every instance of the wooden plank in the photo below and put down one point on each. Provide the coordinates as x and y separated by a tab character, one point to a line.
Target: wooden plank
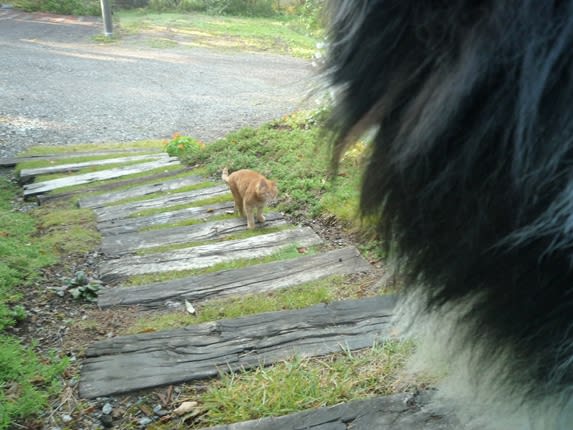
86	178
249	280
130	225
207	255
108	213
130	363
27	174
404	411
13	161
117	245
108	186
143	190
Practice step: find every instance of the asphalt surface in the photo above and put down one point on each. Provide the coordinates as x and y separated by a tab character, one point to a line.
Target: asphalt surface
59	86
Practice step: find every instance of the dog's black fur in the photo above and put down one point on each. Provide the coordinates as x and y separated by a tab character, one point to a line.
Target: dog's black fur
471	171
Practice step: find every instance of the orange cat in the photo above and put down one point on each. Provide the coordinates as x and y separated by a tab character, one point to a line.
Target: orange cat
251	191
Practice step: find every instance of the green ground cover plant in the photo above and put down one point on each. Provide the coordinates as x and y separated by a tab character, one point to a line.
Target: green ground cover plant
26	380
293	151
300	384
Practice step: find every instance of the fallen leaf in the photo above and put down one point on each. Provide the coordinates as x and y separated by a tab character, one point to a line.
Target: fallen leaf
189	307
185	408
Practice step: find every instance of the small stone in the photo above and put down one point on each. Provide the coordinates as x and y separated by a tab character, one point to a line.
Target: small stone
66	418
106	421
145	421
158	410
107	409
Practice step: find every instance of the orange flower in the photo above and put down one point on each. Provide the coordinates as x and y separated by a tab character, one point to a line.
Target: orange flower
175	135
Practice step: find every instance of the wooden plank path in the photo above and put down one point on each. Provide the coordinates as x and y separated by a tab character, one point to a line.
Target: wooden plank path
28	174
94	187
199	257
396	412
85	178
117	245
12	161
108	213
250	280
142	190
131	225
128	363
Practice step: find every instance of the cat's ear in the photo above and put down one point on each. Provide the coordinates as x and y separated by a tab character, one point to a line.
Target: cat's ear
262	185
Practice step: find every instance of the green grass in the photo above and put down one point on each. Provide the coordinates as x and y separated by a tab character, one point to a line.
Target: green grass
280	34
26	380
284	254
293	151
300	384
21	253
311	293
67	231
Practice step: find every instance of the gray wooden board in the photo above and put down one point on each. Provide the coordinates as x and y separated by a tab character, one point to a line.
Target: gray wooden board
402	411
74	167
128	209
130	225
249	280
199	257
143	190
86	178
117	245
12	161
128	363
108	186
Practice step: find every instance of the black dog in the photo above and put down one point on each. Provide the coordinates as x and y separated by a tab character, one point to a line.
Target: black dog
471	177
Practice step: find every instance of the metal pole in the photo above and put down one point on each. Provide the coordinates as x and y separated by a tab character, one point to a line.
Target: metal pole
106	14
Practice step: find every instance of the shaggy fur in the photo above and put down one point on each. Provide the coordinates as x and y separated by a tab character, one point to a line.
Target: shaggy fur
471	176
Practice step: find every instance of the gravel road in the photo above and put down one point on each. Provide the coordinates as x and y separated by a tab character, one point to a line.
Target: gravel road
59	86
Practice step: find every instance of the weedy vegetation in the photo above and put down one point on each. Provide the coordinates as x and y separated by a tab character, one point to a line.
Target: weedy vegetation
26	379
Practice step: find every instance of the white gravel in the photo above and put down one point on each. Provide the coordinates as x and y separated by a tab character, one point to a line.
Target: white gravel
59	86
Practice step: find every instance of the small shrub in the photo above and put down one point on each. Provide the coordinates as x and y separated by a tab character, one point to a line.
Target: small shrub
217	7
63	7
185	148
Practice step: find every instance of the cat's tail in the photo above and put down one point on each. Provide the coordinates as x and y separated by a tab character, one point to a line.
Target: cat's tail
225	175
